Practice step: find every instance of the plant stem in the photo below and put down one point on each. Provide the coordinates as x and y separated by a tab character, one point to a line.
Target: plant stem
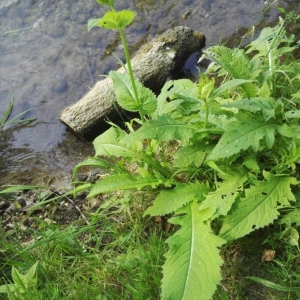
130	72
156	165
206	113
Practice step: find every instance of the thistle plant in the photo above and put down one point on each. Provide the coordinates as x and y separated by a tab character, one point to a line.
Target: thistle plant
225	153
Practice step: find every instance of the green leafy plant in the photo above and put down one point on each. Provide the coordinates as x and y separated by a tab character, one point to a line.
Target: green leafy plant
22	283
221	155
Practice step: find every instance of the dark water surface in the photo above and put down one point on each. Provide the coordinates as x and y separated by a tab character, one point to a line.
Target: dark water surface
49	60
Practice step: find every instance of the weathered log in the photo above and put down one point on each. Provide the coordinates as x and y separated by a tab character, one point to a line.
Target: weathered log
153	65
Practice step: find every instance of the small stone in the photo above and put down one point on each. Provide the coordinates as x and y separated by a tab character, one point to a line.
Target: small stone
48	221
94	203
23	227
21	201
4	205
9	226
12	209
82	177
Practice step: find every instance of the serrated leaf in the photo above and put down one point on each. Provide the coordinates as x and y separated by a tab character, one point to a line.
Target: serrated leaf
292	217
242	134
259	207
229	85
267	42
113	20
192	267
146	102
185	88
163	128
124	182
289	130
178	89
251	163
191	155
168	201
235	62
265	105
222	199
293	114
110	143
162	97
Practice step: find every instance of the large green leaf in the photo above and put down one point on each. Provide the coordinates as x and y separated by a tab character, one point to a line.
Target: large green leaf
115	20
259	207
125	182
178	92
242	134
191	155
255	104
146	102
110	143
293	114
292	217
269	43
229	85
192	267
222	199
235	63
163	128
169	201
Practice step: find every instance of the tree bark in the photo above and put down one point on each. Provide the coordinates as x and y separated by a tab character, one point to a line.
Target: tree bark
153	65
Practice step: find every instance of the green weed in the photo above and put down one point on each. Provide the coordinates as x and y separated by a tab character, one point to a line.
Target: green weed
4	120
221	151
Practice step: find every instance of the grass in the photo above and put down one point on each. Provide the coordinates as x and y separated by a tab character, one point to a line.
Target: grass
4	120
243	259
119	255
111	258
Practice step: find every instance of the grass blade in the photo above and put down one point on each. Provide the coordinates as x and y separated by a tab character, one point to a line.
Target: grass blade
273	285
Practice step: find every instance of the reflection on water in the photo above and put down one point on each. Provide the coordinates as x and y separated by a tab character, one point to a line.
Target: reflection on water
49	60
23	165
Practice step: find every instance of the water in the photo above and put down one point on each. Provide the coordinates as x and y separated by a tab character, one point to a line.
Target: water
48	60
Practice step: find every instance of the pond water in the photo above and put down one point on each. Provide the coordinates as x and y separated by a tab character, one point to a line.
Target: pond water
48	60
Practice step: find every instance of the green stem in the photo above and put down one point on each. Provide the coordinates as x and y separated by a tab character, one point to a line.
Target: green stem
206	113
156	165
130	72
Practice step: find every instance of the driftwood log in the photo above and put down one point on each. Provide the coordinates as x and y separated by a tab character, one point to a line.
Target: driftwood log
153	65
